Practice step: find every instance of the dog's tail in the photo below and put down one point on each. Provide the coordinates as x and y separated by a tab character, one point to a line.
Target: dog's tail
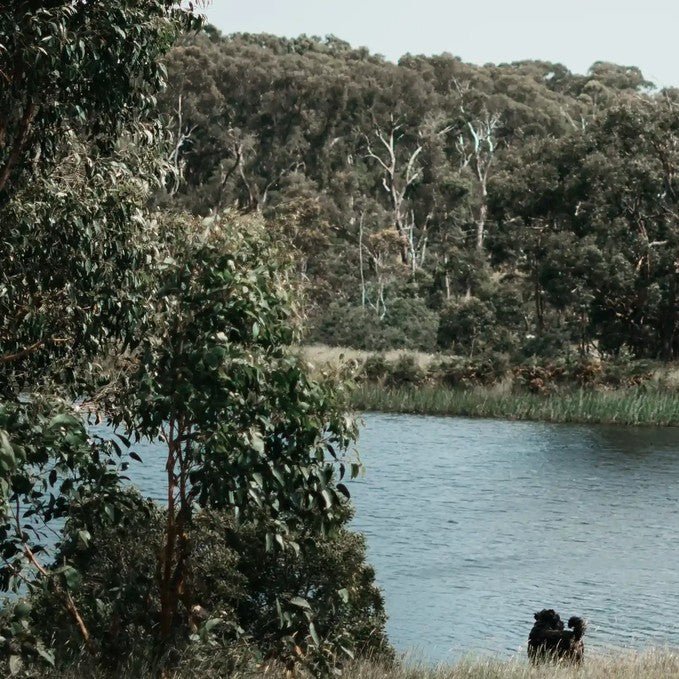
578	625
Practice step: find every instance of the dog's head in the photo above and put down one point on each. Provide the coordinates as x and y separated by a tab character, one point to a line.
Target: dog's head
548	617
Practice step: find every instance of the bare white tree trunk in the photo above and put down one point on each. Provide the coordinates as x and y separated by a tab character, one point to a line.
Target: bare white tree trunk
446	277
477	151
360	259
182	136
397	178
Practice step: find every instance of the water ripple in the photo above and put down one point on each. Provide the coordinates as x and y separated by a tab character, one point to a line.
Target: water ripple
473	525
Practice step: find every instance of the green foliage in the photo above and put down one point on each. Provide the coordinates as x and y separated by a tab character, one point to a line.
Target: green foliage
407	324
532	208
116	590
466	326
78	158
214	364
239	589
405	371
469	372
50	468
243	426
634	406
543	376
536	375
376	368
80	153
249	437
176	329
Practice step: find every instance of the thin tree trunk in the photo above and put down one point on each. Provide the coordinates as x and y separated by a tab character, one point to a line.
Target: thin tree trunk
538	301
167	605
360	259
19	141
446	277
481	220
671	321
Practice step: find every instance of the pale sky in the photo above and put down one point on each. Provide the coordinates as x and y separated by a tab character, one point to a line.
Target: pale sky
574	32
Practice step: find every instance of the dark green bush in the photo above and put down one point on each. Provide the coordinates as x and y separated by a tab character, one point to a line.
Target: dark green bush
549	344
407	324
405	372
413	323
463	372
623	372
542	375
466	327
241	587
376	368
538	377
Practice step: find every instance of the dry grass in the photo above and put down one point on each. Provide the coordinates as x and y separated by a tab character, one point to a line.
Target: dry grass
320	356
652	664
668	376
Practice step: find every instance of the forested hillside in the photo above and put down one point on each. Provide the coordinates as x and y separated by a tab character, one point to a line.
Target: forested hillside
516	208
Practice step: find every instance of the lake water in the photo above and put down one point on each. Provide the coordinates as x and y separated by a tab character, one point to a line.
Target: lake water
473	525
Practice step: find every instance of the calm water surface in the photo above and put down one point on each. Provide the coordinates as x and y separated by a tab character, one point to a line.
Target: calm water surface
472	525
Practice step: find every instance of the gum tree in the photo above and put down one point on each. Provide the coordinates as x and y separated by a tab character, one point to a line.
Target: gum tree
244	426
177	329
79	153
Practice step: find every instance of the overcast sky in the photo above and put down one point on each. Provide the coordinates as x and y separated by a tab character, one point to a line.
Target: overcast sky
574	32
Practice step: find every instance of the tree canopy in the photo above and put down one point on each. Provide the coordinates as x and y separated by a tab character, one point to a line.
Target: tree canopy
172	328
541	196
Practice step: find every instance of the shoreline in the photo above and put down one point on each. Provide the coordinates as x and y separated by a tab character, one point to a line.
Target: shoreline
653	663
638	407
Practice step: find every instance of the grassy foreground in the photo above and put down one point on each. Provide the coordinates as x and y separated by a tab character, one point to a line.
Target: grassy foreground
653	664
650	664
626	406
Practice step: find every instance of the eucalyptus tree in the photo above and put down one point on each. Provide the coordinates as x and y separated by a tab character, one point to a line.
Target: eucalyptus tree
175	329
244	426
79	155
632	197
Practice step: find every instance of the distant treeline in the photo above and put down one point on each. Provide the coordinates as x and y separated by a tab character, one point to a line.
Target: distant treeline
516	208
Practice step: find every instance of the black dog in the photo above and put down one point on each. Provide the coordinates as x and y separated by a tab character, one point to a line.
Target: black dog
548	641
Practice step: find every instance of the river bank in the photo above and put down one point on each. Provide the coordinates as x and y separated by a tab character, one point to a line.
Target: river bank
634	406
647	665
567	390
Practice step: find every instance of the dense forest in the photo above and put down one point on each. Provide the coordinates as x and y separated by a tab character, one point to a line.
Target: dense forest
439	205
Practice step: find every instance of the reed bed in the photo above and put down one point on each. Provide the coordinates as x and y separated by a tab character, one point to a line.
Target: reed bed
636	406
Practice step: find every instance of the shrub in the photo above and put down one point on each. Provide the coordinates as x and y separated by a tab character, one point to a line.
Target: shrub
464	372
549	344
623	372
544	376
376	368
405	372
466	327
413	324
408	324
538	378
315	606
